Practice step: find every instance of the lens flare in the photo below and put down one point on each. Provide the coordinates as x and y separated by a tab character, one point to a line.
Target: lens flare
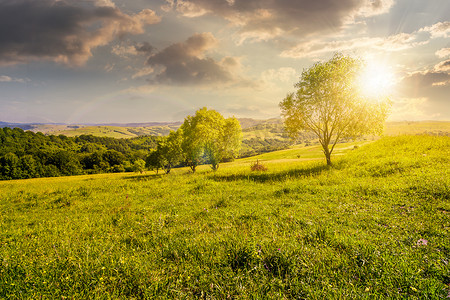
376	81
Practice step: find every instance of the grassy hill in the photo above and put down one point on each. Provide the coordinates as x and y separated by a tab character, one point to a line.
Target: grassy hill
420	127
258	135
376	225
105	131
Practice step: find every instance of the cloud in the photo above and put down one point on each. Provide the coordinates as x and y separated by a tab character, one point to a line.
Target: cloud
265	19
108	3
125	50
64	31
418	82
397	42
316	48
143	72
441	29
443	66
444	52
186	63
430	89
412	109
285	74
4	78
374	7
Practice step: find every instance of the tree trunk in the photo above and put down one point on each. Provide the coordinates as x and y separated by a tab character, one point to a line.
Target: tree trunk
327	153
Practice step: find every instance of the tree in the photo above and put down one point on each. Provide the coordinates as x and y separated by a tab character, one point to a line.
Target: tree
232	139
208	137
170	150
330	103
29	167
66	162
154	160
139	166
10	167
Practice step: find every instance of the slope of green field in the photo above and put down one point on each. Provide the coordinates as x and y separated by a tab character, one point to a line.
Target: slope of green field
422	127
117	132
376	225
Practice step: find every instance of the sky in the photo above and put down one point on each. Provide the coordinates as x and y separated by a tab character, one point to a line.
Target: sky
121	61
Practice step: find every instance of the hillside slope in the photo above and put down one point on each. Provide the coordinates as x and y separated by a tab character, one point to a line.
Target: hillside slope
374	226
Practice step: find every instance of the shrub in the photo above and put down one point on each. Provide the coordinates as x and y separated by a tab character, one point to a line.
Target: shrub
258	166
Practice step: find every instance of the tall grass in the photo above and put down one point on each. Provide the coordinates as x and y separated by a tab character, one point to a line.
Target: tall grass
376	225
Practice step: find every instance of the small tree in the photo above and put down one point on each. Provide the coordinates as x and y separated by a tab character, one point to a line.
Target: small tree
232	139
154	161
139	166
329	103
170	150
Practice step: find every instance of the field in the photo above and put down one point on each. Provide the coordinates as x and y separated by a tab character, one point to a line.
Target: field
375	225
106	131
261	129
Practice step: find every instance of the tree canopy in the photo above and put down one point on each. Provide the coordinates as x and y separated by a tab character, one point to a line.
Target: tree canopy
330	103
209	136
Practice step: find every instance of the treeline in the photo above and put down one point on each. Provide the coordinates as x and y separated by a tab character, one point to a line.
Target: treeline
280	140
256	145
205	138
24	154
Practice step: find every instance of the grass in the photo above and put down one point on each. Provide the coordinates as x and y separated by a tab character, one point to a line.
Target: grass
376	225
421	127
116	131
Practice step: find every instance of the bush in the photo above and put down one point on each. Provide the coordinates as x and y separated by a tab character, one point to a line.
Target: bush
258	166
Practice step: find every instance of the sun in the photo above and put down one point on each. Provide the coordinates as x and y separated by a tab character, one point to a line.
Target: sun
376	81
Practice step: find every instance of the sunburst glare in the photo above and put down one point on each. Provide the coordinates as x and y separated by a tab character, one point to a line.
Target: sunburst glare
376	81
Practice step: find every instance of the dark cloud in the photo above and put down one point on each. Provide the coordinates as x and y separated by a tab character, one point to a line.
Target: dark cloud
184	63
269	18
144	47
417	83
62	31
432	85
427	93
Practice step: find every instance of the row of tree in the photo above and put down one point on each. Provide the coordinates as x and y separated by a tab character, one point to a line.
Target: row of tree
24	154
207	137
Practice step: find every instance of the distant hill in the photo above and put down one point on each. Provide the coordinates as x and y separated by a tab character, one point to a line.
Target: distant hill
248	122
126	130
115	130
252	128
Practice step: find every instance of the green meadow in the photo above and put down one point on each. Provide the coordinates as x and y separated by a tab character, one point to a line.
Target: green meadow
376	225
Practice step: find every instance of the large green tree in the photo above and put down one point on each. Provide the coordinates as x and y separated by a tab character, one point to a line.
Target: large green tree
330	103
210	137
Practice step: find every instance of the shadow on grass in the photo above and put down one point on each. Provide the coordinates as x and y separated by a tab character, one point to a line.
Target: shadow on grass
144	177
280	176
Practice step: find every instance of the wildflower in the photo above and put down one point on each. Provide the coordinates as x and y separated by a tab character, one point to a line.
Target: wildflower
422	242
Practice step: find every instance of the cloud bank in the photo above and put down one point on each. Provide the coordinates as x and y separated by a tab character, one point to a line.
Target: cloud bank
186	63
63	31
264	19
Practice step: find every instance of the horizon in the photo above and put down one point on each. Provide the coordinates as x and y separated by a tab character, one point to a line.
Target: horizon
116	61
155	123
